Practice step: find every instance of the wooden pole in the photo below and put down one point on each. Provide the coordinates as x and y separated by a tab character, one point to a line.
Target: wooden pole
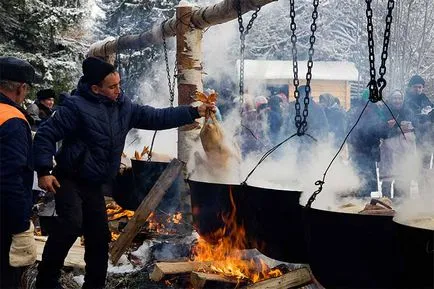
189	61
199	18
149	204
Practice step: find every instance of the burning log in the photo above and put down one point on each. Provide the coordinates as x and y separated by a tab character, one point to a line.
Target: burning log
149	204
291	279
164	269
201	280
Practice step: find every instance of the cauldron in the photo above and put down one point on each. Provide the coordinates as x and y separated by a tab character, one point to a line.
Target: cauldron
352	250
132	186
416	251
272	218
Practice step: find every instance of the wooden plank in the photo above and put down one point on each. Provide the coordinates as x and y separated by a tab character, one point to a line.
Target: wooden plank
163	269
75	257
149	204
200	280
291	279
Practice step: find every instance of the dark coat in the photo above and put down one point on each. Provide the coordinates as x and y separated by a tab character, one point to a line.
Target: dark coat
39	113
93	129
16	171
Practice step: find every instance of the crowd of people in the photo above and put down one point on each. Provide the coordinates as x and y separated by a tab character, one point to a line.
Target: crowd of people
388	137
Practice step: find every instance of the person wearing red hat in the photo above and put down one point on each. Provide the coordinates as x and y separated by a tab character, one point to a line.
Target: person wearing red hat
93	124
16	172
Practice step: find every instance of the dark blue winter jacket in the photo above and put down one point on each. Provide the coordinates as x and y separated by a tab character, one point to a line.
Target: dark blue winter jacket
16	169
93	129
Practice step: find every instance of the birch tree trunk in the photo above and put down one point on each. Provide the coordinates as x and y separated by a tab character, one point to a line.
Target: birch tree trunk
189	61
200	18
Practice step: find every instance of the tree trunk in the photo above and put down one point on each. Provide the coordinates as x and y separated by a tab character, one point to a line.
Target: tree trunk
200	18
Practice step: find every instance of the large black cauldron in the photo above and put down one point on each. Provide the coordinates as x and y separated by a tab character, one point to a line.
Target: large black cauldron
416	251
352	250
133	185
272	218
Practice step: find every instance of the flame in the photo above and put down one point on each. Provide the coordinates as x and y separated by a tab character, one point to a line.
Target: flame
162	226
114	212
115	236
226	254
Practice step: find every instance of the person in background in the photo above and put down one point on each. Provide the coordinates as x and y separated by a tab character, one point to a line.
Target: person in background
364	142
16	172
336	117
423	110
93	124
42	108
397	152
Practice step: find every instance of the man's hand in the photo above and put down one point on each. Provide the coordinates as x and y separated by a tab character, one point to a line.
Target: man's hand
202	109
48	183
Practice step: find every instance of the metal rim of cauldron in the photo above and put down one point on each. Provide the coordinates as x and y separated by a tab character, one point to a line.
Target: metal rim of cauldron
415	245
348	250
264	225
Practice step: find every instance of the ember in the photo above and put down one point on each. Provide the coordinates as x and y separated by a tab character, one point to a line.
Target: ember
226	260
163	225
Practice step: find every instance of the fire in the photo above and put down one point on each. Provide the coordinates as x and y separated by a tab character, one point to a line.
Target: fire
115	236
162	226
114	212
226	254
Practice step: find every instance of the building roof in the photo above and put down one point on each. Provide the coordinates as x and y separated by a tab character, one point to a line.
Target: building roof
282	69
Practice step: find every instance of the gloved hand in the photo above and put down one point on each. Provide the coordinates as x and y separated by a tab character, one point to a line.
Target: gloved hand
23	248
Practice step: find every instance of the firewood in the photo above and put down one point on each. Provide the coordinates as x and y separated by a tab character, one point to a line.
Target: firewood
291	279
148	205
201	280
163	269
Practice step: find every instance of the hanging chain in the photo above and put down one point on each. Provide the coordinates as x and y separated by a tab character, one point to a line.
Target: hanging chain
373	87
171	81
295	80
243	33
382	71
376	94
311	52
301	122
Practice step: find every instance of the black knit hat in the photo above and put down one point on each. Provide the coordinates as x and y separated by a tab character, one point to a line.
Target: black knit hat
45	94
416	79
95	70
15	69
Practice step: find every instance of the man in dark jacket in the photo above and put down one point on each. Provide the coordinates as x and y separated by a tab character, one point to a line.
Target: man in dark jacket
93	125
42	108
16	172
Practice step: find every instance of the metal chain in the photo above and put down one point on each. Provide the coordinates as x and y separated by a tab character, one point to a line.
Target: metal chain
311	52
295	80
382	71
243	34
301	122
373	87
171	82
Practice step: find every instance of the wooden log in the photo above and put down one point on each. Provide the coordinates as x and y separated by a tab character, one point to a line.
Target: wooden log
200	18
200	280
149	204
291	279
163	269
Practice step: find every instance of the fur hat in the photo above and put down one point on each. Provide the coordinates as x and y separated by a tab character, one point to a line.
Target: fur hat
45	94
95	70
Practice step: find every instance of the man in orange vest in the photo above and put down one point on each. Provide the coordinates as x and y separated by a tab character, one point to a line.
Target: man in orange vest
16	166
